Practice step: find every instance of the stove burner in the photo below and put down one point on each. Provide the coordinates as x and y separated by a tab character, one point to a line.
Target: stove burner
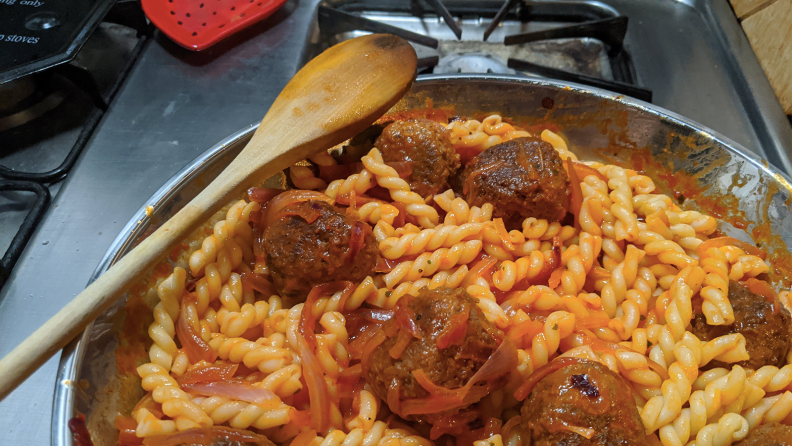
25	99
472	63
566	52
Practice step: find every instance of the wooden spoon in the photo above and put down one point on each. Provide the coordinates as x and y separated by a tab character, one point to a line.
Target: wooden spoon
333	98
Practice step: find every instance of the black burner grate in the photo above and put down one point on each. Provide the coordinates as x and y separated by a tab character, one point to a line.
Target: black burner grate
32	220
588	22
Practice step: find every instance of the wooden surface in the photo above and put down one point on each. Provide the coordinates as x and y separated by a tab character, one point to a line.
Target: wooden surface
334	97
770	33
744	8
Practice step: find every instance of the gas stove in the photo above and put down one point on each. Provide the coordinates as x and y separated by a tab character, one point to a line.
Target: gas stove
690	57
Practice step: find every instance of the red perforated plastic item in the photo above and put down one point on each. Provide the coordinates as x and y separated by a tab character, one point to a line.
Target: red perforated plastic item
199	24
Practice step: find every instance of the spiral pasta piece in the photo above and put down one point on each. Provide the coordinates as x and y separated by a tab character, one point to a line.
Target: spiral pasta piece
400	192
731	427
458	212
559	144
771	409
162	330
626	224
378	435
176	403
358	183
559	324
374	211
772	379
747	266
511	273
303	178
235	228
236	323
261	355
430	262
663	409
242	415
428	240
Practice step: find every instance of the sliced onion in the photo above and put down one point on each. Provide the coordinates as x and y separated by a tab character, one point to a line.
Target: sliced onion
402	341
528	328
148	403
279	203
312	371
761	288
348	380
193	344
206	437
362	338
480	269
317	387
308	318
262	195
500	363
405	317
583	171
500	228
455	330
258	282
592	322
235	391
80	435
357	239
126	427
558	269
208	373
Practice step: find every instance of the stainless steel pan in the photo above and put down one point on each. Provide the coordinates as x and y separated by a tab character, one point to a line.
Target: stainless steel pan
712	172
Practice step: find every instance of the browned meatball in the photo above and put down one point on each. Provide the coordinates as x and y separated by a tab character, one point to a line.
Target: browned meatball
311	243
521	178
428	145
773	434
587	397
450	367
767	333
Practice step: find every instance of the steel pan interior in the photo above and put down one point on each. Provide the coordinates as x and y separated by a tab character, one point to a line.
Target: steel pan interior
593	121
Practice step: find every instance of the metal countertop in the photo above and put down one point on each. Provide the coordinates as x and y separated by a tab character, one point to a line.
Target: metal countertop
176	104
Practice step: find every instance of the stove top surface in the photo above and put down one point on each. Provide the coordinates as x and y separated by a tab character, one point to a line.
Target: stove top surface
176	104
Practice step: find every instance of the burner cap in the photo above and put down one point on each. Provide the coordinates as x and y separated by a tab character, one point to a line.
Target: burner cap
472	63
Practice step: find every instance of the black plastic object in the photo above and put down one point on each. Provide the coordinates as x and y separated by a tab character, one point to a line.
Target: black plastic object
554	73
32	220
38	34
